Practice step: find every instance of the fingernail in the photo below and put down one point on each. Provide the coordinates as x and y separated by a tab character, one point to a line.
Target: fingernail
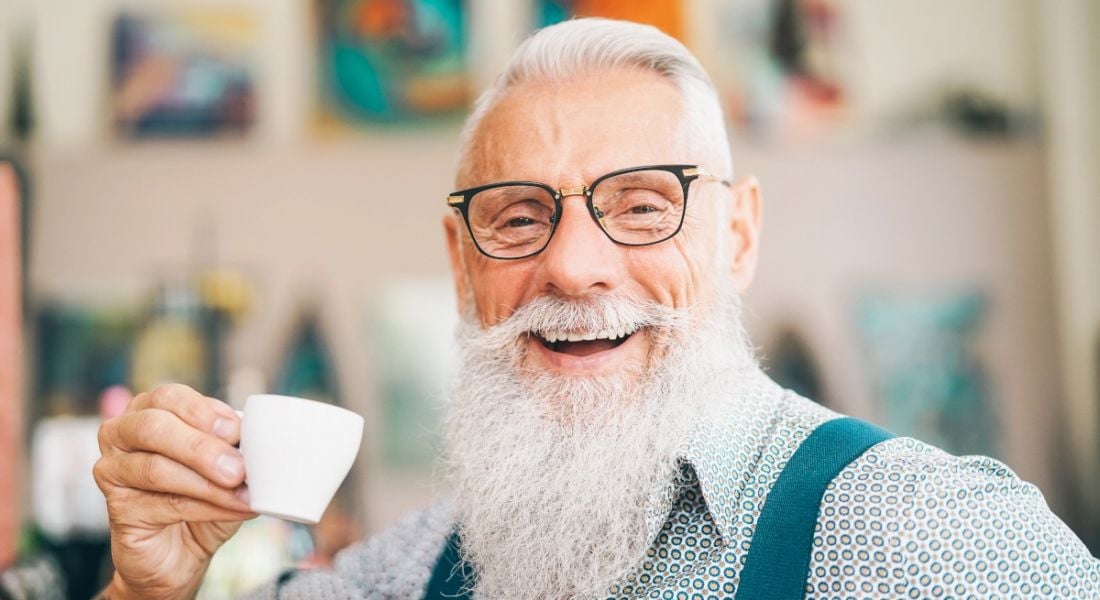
242	495
229	464
223	428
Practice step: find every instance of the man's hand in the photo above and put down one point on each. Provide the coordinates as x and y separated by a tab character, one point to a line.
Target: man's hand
174	488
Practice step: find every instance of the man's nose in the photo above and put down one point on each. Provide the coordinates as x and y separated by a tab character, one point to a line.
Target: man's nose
580	258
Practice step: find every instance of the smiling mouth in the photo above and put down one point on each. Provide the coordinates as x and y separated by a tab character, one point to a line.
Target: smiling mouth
583	344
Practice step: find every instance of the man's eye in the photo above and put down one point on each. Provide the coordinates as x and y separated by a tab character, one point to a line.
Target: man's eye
520	222
643	209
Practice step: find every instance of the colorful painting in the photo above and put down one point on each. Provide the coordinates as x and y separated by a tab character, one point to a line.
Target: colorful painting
777	64
928	377
394	61
666	15
186	73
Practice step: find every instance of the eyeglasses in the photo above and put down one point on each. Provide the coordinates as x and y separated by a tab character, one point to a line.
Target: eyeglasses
639	206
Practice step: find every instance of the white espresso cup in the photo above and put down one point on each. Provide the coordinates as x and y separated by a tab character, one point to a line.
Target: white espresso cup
296	454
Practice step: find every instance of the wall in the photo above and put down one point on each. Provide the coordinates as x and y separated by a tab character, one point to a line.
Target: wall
901	50
1071	53
928	216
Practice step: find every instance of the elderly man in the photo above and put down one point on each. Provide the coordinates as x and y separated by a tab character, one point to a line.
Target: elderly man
609	433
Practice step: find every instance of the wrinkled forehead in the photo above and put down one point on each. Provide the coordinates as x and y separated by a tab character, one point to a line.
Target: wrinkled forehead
569	132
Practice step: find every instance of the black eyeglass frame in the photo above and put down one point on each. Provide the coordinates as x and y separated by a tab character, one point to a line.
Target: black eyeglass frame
460	201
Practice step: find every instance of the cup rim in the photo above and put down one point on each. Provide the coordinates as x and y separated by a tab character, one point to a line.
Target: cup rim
301	399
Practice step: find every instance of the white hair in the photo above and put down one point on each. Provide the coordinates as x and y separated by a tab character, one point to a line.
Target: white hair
557	53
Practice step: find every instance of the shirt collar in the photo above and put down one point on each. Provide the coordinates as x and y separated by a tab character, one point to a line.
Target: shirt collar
726	448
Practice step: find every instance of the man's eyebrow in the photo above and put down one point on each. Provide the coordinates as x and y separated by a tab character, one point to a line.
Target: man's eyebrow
519	191
638	175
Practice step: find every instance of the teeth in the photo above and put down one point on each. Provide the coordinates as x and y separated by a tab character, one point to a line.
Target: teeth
607	334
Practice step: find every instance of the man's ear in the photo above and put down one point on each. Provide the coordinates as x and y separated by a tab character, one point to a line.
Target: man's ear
452	228
745	222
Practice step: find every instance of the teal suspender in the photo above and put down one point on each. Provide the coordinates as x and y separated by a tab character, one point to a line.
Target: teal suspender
779	557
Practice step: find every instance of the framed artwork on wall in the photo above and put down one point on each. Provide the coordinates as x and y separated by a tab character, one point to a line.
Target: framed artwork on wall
666	15
393	61
186	73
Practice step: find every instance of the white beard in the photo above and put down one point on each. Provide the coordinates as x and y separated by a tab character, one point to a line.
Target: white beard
552	477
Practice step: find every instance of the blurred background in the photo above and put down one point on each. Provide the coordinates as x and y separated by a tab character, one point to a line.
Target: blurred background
246	196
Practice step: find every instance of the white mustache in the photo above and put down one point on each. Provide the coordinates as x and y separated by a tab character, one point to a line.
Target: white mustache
590	316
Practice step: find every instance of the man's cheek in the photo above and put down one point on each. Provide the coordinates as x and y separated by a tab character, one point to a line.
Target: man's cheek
695	265
664	283
496	301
